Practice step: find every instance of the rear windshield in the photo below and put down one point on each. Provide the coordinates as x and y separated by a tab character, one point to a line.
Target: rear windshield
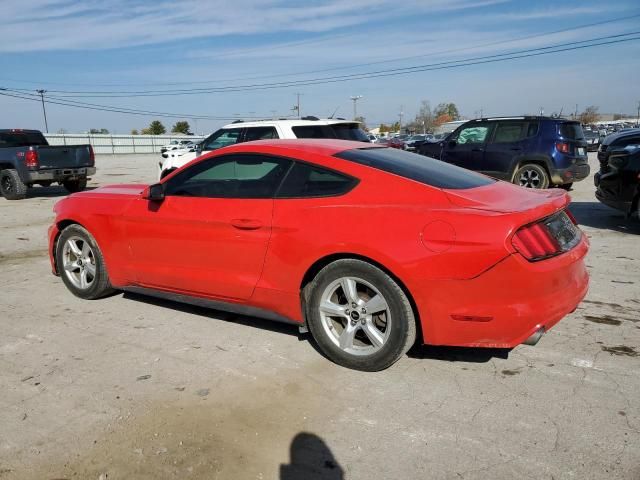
416	167
343	131
21	139
571	131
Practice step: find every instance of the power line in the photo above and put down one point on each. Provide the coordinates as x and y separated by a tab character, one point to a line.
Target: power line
525	53
351	66
107	108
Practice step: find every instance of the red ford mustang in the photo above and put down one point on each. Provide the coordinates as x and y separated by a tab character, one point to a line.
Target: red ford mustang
365	246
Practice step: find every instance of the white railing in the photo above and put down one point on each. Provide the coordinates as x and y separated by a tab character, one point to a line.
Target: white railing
117	144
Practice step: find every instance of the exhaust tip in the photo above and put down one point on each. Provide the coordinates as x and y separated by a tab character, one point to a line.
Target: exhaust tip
535	338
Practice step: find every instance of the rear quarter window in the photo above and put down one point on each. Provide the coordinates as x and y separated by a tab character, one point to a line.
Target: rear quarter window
22	139
416	167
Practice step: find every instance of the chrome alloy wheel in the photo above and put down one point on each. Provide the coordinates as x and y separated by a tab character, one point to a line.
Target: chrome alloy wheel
355	316
530	179
79	262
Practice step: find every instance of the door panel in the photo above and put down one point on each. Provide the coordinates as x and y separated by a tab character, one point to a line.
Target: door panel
209	246
466	147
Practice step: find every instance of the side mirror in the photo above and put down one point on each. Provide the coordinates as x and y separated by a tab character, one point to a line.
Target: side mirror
154	193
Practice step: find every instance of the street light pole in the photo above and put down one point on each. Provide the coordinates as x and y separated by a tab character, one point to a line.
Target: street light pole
355	99
44	110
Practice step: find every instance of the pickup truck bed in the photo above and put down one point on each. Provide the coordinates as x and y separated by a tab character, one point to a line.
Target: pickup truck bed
26	160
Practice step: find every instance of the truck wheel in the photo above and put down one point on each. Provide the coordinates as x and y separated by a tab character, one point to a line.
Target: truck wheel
74	186
81	264
11	187
531	175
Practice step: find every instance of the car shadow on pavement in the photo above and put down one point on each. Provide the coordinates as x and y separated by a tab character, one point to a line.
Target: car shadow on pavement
254	322
50	192
597	215
457	354
310	459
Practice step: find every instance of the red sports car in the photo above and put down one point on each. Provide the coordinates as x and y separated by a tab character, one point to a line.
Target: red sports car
365	246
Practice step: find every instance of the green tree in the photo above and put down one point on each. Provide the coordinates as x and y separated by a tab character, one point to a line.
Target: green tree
134	132
101	131
155	128
181	127
449	109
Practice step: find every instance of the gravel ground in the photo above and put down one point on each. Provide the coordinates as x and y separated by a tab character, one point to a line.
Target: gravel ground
128	387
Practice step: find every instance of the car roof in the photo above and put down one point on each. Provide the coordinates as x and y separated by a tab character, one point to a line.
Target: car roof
616	136
319	146
289	122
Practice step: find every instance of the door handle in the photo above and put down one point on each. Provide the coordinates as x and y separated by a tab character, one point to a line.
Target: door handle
477	149
516	149
246	224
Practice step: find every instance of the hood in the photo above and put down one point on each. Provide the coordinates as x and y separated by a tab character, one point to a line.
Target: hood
503	197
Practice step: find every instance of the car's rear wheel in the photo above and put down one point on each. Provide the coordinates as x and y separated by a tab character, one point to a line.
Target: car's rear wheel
81	264
74	186
531	175
11	187
359	316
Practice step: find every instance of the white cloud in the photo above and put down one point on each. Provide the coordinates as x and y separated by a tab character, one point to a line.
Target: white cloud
36	25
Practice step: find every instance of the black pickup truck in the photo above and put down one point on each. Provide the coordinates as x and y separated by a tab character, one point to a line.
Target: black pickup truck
26	159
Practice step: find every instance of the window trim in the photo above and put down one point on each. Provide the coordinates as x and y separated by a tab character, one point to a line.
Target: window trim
354	181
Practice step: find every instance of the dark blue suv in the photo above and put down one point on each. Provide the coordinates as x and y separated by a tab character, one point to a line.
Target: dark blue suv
534	152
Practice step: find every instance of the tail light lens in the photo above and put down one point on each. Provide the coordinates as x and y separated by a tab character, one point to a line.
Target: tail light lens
92	156
31	159
548	237
562	147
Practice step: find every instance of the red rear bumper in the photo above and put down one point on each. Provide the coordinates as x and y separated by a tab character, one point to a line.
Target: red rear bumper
504	306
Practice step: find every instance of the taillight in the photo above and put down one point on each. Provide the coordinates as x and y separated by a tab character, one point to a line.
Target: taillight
31	159
92	156
562	147
535	242
549	237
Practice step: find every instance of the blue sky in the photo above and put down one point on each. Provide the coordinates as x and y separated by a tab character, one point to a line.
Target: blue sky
124	45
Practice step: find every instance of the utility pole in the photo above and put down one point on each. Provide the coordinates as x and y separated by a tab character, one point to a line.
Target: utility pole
355	99
638	117
400	115
575	115
296	107
44	110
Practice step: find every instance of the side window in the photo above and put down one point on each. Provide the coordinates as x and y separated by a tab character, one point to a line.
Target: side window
313	131
230	176
629	141
306	180
509	132
473	134
222	138
260	133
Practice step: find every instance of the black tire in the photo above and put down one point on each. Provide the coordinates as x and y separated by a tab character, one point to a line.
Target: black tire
99	285
11	187
402	329
531	175
74	186
567	186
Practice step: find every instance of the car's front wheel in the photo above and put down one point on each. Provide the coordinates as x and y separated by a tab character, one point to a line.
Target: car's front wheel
81	264
359	316
531	175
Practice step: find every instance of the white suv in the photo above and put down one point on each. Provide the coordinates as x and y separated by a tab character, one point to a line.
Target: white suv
238	131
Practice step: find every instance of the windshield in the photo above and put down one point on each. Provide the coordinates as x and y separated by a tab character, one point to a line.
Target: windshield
416	167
